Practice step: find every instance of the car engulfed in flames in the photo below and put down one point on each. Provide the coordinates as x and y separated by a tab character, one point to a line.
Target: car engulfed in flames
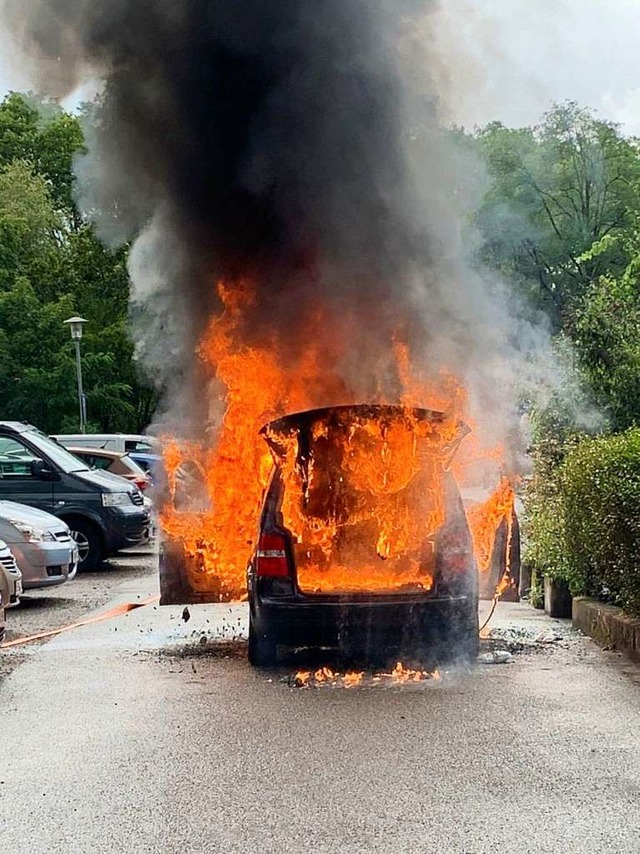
364	544
363	541
362	493
353	502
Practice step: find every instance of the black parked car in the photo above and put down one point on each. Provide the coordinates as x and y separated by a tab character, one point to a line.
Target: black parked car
314	458
104	512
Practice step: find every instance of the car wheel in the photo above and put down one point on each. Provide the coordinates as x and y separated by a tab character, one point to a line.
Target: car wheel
262	650
89	543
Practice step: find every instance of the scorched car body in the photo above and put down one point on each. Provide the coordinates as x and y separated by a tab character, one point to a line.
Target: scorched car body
426	624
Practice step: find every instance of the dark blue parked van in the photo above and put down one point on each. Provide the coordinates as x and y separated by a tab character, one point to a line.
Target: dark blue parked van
105	512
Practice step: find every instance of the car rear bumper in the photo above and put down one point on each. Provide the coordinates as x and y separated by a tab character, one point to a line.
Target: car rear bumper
387	624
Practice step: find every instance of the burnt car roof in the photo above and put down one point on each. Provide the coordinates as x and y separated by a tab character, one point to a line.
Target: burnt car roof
356	411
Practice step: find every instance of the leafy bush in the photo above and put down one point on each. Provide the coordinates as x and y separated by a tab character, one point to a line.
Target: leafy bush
583	519
544	523
545	529
600	487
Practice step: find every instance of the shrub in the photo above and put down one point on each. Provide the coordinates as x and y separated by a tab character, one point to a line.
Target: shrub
599	485
543	525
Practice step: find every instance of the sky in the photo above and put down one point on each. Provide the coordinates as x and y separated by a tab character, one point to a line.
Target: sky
509	60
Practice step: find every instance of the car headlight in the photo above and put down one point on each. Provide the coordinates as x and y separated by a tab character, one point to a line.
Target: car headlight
33	535
115	499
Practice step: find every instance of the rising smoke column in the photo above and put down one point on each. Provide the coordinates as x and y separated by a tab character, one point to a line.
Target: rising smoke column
277	140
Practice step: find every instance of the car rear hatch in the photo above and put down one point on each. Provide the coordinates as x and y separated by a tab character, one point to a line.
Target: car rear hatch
359	501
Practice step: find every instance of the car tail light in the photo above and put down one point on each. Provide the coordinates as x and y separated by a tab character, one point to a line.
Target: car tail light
271	556
142	483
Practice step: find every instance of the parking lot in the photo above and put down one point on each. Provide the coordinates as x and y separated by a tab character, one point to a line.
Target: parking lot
43	610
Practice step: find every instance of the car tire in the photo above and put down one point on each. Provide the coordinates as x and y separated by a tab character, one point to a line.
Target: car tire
89	542
263	651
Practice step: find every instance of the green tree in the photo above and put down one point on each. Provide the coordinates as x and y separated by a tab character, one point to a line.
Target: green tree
608	333
53	266
29	226
555	190
18	129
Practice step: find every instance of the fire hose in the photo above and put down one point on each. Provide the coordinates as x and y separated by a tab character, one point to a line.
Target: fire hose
118	611
494	605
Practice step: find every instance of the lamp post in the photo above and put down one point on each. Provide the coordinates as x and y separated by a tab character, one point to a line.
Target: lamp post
75	327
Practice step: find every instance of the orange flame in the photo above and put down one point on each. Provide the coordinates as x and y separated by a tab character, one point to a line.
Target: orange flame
485	520
216	486
400	675
364	508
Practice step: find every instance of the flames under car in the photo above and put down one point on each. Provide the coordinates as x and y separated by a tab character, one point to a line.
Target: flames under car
364	544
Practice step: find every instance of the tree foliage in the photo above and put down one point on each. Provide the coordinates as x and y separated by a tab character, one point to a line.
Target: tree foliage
52	266
608	334
556	189
561	223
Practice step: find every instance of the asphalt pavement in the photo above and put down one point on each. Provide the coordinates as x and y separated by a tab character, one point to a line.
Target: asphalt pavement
149	734
41	610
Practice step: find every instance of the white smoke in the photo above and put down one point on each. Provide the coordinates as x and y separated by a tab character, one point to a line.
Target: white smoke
509	60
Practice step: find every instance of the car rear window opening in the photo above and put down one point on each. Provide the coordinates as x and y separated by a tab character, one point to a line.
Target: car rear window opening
362	491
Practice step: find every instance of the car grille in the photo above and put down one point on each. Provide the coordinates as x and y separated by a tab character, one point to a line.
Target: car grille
62	536
137	499
9	564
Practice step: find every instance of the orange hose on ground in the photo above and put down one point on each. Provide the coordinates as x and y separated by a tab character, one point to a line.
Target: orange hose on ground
108	615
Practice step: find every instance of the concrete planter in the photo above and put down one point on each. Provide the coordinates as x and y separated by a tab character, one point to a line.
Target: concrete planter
557	598
524	585
607	625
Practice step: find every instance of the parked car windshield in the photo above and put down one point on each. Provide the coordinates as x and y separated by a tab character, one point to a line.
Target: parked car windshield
55	452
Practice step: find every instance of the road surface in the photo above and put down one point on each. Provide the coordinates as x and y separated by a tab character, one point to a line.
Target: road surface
43	609
146	734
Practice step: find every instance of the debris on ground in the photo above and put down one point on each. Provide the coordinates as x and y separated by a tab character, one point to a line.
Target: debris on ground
498	656
515	639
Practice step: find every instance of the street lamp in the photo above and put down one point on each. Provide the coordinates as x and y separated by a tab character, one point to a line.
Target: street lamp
75	327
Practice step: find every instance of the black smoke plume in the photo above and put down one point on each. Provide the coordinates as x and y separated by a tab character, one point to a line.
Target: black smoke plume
288	141
261	137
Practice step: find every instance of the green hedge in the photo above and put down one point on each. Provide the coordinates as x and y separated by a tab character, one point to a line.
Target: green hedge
600	484
583	519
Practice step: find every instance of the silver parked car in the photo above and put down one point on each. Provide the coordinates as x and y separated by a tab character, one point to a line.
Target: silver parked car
4	595
41	543
12	574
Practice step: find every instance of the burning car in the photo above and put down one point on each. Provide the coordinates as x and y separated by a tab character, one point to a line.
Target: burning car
364	544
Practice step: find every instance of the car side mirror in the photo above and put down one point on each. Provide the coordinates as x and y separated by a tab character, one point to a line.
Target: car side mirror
40	471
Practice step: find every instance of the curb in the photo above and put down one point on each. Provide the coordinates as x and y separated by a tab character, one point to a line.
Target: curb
608	626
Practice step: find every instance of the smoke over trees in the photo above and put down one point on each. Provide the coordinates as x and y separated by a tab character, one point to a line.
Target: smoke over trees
276	141
296	145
